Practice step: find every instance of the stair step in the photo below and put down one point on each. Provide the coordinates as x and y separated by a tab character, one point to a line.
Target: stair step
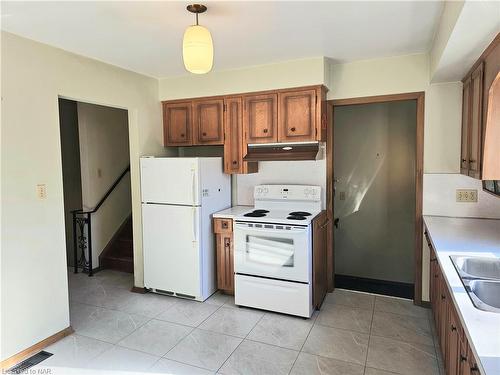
120	254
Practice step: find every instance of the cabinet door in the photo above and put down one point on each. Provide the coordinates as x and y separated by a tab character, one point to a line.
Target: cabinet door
464	158
475	134
225	268
443	319
452	359
260	118
208	122
234	147
320	280
297	116
177	124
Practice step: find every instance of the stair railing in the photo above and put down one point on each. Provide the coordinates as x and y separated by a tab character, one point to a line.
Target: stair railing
82	230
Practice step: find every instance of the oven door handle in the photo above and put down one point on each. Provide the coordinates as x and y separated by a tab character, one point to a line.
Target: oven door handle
270	230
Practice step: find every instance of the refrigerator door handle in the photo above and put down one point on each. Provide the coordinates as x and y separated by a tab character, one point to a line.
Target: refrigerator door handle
193	186
194	224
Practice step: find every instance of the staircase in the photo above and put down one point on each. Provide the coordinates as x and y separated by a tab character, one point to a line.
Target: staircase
119	252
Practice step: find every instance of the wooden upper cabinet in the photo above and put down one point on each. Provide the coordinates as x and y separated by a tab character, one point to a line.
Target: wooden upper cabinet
208	122
234	147
177	124
475	132
260	118
297	116
464	158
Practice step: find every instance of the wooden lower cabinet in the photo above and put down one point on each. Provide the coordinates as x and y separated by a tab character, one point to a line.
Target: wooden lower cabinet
455	350
223	229
320	273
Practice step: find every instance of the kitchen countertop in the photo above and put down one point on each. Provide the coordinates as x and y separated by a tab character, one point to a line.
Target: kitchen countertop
231	212
477	237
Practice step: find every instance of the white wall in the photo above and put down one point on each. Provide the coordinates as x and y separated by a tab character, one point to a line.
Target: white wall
403	74
104	155
33	235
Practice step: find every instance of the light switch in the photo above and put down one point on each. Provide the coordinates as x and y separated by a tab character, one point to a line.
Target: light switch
41	191
466	195
99	172
342	195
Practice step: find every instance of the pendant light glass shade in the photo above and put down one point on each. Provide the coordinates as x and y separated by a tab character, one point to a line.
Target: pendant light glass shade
197	49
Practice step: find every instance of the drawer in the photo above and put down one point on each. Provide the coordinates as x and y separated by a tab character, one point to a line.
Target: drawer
223	225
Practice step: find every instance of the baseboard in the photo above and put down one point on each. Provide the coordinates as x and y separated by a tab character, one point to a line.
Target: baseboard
136	289
26	353
384	287
426	304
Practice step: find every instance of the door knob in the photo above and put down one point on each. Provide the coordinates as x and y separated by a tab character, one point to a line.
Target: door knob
336	222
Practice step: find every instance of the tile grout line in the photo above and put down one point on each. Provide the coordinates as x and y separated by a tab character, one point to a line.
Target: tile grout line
229	356
370	334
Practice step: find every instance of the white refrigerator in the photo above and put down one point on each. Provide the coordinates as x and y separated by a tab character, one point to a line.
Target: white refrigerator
179	196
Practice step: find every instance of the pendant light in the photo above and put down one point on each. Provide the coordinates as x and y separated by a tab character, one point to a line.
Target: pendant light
197	47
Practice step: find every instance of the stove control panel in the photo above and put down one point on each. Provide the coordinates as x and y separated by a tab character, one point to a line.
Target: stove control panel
287	192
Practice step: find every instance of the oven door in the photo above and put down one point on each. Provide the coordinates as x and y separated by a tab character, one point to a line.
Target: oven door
270	250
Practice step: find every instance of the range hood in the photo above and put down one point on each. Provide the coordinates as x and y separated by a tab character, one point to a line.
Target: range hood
282	151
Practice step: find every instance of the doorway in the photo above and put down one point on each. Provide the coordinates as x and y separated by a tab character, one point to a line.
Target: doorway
377	178
96	186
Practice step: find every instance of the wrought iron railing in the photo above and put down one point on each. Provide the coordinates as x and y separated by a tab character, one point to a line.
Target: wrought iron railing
82	231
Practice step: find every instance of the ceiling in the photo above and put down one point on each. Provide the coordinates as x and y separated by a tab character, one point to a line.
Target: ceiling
146	37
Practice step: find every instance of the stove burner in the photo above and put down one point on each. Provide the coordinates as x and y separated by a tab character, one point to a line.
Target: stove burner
255	214
300	213
295	217
260	211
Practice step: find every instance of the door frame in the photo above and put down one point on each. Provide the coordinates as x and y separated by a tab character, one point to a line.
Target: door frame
419	173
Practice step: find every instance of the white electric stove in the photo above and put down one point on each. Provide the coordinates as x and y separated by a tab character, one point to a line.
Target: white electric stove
273	249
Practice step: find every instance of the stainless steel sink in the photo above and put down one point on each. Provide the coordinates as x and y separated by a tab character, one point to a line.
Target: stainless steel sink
485	294
481	278
477	267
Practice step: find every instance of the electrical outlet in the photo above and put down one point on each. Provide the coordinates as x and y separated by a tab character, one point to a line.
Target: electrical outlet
41	191
466	195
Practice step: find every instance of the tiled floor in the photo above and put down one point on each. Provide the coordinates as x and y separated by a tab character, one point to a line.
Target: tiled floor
353	334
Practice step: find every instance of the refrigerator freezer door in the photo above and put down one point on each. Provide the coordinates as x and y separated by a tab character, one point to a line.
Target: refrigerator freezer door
170	181
171	242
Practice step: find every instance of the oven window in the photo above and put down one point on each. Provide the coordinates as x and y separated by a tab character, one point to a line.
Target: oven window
271	251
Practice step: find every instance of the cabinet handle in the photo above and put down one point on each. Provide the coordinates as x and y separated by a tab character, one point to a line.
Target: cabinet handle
472	161
463	358
235	162
265	130
225	225
464	160
227	243
433	260
443	297
453	328
474	369
292	129
182	135
204	134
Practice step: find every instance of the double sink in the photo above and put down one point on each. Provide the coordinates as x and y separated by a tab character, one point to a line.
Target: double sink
481	278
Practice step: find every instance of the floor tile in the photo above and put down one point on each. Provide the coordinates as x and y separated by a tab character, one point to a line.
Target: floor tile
204	349
339	316
374	371
308	364
189	313
351	299
235	322
122	359
281	330
255	358
336	343
74	351
149	304
400	357
103	324
399	306
218	298
166	366
156	337
402	327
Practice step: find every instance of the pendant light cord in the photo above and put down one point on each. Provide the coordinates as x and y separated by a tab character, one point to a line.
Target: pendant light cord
196	19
